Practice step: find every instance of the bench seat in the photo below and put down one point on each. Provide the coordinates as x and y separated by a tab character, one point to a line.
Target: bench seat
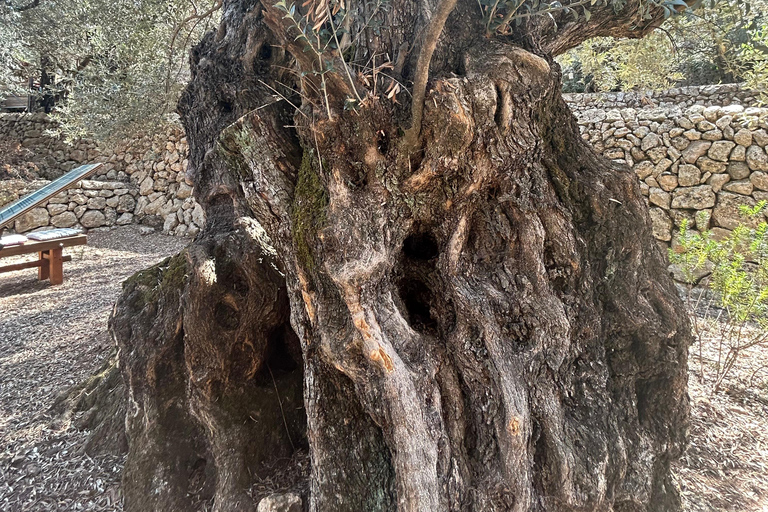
50	258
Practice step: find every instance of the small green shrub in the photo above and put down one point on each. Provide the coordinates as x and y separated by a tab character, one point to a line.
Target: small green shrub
735	272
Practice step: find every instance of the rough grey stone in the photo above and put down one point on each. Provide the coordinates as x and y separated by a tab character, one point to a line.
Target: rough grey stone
706	164
147	186
695	198
659	197
643	169
184	191
96	203
667	182
170	223
743	187
35	218
661	224
720	150
759	180
738	170
727	213
695	151
79	198
126	203
198	215
92	219
64	220
288	502
739	154
55	209
760	137
688	175
650	141
125	218
717	181
756	158
743	137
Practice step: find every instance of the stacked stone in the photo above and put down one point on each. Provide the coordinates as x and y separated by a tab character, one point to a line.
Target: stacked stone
156	164
152	165
93	204
706	95
50	155
699	164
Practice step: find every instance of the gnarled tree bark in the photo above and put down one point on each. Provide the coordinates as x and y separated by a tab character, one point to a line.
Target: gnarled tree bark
480	324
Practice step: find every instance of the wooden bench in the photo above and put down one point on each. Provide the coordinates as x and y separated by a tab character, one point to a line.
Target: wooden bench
50	258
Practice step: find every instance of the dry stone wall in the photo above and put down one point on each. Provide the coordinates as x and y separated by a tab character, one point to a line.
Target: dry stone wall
143	180
697	163
707	95
699	153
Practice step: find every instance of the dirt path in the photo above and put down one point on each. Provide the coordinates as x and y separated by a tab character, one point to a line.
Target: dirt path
54	337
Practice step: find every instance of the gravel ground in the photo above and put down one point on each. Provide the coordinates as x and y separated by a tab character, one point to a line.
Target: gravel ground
54	337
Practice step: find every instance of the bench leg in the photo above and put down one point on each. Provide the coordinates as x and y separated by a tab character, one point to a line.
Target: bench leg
43	270
56	269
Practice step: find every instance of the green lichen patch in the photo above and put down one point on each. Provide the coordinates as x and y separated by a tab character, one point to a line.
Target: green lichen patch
169	274
309	209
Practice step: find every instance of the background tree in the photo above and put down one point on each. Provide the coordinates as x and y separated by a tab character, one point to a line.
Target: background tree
114	66
413	269
719	43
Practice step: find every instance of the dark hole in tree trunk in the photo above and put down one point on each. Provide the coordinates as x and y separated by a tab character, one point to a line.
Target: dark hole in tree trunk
226	316
228	274
418	278
498	115
642	394
265	52
225	106
416	298
420	246
283	344
382	142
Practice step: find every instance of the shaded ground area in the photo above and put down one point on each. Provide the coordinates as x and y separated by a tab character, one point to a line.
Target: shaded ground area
726	465
54	337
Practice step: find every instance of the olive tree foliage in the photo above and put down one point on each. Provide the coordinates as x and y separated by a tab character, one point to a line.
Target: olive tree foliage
720	42
118	65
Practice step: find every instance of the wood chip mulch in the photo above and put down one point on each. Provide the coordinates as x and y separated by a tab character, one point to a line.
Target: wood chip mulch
52	337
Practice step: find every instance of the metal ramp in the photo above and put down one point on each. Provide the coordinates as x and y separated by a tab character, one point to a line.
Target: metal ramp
21	206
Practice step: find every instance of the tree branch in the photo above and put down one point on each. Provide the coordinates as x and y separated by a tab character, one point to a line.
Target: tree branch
604	22
434	29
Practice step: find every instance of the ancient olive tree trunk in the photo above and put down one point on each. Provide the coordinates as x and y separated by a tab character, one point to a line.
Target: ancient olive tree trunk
477	321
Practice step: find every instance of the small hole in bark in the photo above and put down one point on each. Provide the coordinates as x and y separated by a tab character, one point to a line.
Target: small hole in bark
227	317
357	178
498	115
265	52
421	246
461	67
643	393
382	142
225	106
416	297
